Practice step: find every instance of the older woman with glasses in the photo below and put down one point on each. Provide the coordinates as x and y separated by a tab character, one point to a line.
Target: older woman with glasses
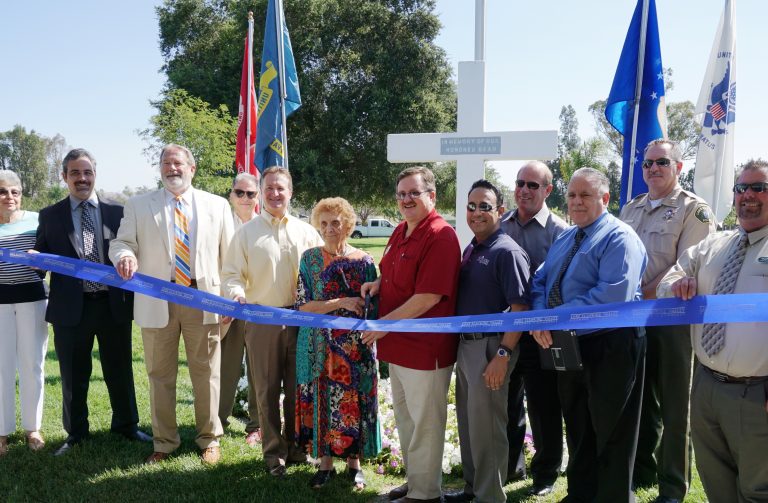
23	331
336	399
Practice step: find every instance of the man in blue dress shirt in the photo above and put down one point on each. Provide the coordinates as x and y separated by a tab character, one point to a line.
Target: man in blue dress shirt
597	261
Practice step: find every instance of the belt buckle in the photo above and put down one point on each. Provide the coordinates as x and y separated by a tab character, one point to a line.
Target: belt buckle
719	376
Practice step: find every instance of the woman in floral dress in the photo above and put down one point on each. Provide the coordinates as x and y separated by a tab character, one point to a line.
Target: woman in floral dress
336	403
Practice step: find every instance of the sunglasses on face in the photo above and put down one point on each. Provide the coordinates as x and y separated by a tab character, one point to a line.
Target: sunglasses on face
661	162
484	207
531	185
757	187
250	193
12	192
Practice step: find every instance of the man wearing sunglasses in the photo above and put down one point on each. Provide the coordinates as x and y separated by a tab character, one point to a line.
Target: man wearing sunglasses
729	396
494	277
244	198
534	228
668	220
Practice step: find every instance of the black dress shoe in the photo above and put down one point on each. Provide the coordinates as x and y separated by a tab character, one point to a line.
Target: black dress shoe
458	496
138	436
277	471
65	448
666	499
398	492
515	477
540	489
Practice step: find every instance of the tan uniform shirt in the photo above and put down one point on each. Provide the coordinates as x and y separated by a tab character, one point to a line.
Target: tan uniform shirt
681	220
263	261
744	353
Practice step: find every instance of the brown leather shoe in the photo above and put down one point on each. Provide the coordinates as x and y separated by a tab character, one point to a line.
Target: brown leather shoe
211	455
253	438
156	457
35	441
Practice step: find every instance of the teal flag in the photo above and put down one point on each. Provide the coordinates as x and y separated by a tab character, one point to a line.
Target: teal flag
269	141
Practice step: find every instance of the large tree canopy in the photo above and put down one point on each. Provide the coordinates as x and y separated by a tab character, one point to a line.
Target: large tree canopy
366	68
25	153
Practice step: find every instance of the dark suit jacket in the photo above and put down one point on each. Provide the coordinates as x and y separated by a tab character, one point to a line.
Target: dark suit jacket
56	234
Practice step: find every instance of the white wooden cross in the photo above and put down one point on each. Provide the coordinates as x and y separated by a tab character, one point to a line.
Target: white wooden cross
471	145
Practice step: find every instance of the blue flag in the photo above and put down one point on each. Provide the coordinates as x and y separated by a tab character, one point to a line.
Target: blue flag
269	140
620	106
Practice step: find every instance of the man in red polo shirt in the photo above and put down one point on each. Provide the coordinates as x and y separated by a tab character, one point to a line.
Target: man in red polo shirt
419	276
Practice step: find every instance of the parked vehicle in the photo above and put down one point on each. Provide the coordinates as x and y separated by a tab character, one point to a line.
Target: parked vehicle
376	227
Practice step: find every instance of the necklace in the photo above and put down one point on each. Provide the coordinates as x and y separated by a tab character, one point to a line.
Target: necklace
344	253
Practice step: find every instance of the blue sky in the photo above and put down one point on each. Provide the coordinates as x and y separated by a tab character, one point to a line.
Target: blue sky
88	69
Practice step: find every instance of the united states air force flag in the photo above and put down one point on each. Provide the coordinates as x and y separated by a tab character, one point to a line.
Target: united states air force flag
270	150
620	106
717	111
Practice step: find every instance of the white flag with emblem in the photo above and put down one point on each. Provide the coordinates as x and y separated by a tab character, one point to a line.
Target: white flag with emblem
717	110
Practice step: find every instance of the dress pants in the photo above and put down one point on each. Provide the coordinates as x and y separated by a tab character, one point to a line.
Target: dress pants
544	413
161	352
23	344
482	417
729	426
73	350
232	351
271	353
664	447
420	404
601	408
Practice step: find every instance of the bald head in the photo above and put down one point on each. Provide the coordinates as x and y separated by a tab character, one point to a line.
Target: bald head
533	185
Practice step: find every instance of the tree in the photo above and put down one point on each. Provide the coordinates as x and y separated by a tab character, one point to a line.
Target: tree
366	68
24	153
207	131
55	150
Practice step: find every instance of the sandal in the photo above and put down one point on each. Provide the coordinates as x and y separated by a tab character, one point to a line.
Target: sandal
35	441
357	477
322	477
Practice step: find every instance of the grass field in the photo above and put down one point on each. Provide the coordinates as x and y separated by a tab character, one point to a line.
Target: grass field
108	468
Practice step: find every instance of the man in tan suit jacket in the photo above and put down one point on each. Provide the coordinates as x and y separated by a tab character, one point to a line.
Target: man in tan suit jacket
181	234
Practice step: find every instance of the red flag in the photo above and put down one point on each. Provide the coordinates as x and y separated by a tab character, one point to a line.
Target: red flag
246	116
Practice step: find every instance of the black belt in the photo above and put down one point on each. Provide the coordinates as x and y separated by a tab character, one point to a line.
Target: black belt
192	284
97	295
476	336
719	376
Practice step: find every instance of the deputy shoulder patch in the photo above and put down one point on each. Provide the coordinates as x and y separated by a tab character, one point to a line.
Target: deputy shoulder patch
702	213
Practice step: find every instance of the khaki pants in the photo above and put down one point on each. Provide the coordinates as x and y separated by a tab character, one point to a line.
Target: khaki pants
232	350
272	356
161	349
420	403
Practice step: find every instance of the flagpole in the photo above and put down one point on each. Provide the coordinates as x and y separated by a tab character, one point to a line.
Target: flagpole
281	76
248	124
638	92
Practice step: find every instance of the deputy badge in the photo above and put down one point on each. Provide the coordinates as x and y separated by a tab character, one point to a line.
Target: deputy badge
669	214
702	213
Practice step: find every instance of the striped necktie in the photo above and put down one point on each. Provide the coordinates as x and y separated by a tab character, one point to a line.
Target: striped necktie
555	296
182	274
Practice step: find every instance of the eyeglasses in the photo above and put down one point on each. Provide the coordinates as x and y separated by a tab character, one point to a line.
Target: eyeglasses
741	188
531	185
12	192
401	196
250	193
484	207
661	162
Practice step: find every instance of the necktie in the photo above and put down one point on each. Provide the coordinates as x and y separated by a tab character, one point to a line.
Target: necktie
713	335
555	297
90	250
182	274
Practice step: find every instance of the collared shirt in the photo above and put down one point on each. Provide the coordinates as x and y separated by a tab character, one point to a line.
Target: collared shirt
744	353
427	261
239	223
536	235
607	267
77	221
677	222
188	200
262	264
494	274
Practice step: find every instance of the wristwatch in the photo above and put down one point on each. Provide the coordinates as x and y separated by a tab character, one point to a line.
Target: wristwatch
503	352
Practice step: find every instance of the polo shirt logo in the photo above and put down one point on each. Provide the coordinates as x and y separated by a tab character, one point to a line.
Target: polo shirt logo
482	260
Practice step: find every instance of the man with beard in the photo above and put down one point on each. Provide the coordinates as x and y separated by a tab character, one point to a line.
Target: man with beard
729	396
180	234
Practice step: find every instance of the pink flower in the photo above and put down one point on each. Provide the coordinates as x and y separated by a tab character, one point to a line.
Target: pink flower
380	469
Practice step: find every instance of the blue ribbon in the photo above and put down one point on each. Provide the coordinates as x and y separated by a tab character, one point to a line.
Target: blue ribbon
745	307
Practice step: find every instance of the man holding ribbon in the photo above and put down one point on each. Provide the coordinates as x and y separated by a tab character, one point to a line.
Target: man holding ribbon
729	396
82	226
179	234
419	276
597	261
668	220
